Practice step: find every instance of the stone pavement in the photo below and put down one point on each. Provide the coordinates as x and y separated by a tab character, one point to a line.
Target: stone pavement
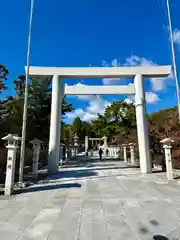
96	201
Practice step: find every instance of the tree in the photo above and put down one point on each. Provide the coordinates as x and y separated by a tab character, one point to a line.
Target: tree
3	77
113	112
39	109
66	133
99	126
86	129
77	126
119	120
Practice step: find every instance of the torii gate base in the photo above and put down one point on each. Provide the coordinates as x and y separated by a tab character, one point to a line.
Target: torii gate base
58	91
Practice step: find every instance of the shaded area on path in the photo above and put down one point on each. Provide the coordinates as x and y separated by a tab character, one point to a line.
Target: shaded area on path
160	237
45	187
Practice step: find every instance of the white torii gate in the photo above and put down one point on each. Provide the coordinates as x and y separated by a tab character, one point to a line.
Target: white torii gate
58	91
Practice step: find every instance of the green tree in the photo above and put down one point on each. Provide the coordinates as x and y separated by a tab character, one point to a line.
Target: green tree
118	120
99	126
66	133
39	109
3	77
86	129
77	126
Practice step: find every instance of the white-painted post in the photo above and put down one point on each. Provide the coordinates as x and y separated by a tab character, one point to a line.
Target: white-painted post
133	161
36	152
92	147
86	144
125	153
76	144
55	124
71	148
11	160
167	145
105	145
62	153
68	153
142	125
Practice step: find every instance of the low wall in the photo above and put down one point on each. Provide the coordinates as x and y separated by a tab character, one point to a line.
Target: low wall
114	151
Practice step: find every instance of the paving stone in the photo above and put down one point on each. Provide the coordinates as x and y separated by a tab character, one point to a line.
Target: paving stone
119	229
105	201
9	234
66	227
39	231
175	234
72	206
18	223
8	212
42	224
92	211
93	230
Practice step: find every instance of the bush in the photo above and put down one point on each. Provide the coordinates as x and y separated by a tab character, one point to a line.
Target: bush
3	158
43	158
176	159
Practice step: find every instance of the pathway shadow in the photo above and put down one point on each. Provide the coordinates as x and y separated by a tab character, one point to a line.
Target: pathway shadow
157	171
88	162
107	159
177	177
70	180
49	187
160	237
73	174
87	165
83	173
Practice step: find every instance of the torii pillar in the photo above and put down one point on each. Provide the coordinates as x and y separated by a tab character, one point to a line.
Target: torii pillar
55	124
86	144
142	125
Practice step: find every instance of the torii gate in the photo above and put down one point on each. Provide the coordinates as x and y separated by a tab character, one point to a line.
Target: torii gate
59	90
94	139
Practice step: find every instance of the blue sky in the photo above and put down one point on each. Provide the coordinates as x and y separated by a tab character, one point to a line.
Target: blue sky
92	32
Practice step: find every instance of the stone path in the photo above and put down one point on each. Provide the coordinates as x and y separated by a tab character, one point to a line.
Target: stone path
96	201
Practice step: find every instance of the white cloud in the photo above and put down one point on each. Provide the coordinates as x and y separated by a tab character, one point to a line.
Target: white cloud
114	63
158	84
128	100
135	61
84	97
97	105
110	81
176	36
151	98
78	112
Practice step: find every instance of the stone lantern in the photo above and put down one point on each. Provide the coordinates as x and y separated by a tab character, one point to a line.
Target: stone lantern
36	152
105	138
132	151
124	146
75	138
167	145
12	146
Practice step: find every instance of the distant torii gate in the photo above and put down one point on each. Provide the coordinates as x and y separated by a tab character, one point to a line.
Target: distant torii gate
95	139
58	91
